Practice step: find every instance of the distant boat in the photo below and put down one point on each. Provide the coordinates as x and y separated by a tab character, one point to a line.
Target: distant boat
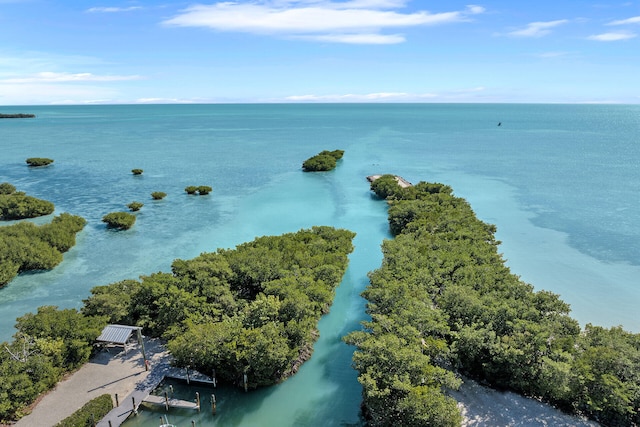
499	123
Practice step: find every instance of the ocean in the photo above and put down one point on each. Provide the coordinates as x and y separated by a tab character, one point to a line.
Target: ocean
560	182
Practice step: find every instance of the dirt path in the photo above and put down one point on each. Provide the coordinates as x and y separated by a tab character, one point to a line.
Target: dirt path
110	371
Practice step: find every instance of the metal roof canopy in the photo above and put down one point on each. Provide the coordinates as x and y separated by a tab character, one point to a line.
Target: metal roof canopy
117	334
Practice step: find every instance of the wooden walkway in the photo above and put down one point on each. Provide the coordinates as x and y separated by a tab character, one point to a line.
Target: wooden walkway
130	404
142	392
170	402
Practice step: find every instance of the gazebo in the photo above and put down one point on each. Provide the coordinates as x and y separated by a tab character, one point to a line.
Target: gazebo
120	335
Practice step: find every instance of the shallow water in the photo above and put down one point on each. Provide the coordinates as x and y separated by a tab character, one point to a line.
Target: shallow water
560	182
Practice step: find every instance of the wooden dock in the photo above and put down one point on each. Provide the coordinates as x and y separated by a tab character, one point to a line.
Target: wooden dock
142	393
170	402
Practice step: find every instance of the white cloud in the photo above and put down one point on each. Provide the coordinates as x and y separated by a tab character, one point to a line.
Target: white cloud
357	38
612	37
367	4
556	54
82	102
35	78
634	20
165	101
49	93
112	9
472	94
356	21
370	97
51	77
537	29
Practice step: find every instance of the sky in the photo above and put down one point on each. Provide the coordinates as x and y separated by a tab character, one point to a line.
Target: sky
274	51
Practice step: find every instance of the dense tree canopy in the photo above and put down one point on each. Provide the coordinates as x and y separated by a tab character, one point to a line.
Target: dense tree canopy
7	188
25	246
17	205
204	190
323	161
135	206
201	190
119	220
39	161
47	344
444	296
252	310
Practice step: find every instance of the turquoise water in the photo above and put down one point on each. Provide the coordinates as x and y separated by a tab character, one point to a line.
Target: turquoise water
561	182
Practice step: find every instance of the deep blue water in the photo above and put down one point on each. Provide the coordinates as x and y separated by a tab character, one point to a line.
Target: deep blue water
561	182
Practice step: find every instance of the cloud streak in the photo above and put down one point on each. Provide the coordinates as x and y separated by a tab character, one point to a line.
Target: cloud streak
613	36
112	9
352	97
356	21
628	21
537	29
51	77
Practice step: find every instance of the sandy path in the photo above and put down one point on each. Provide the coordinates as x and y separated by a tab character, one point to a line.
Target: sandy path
112	372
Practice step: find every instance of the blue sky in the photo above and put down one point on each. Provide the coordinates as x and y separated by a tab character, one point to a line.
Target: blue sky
113	52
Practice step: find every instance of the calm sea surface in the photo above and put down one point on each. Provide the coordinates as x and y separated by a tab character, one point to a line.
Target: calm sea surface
561	182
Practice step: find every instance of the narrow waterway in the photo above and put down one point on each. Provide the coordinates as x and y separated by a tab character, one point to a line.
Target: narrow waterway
325	390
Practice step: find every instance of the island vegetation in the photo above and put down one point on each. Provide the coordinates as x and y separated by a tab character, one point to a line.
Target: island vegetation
444	303
119	220
201	190
252	310
158	195
323	161
136	171
17	205
26	247
135	206
38	161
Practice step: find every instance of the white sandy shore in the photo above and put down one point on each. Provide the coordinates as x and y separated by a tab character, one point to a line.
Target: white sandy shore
482	406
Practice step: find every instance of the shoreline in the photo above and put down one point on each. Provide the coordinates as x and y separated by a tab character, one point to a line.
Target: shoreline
17	116
403	183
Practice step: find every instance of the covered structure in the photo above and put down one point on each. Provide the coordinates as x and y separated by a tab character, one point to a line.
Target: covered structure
120	335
